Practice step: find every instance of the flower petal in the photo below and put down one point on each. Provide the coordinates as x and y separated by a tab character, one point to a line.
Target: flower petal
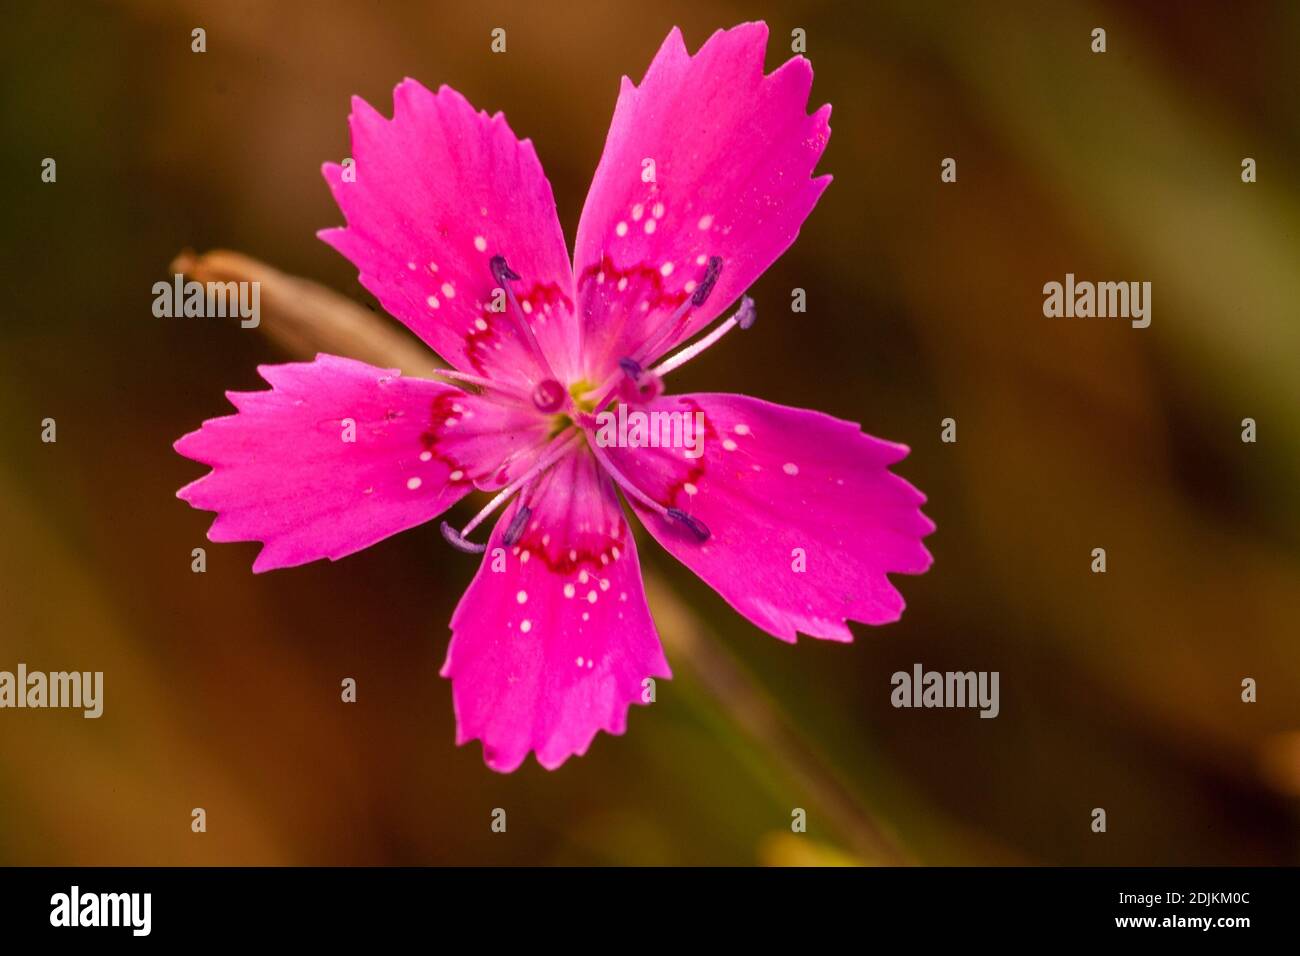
733	152
779	488
285	473
553	639
437	192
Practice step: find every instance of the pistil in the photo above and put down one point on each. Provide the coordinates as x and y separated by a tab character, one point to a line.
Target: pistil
460	539
744	318
504	275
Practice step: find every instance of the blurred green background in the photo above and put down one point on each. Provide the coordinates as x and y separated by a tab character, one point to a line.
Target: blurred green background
1119	691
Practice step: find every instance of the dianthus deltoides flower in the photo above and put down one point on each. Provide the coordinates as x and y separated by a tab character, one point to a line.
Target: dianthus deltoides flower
791	515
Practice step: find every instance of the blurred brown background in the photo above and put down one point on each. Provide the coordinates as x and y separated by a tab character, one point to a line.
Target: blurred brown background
1119	691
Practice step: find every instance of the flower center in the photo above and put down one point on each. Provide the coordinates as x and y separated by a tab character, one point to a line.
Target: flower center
576	405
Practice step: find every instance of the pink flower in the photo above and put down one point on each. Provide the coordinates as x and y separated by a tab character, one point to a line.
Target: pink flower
705	180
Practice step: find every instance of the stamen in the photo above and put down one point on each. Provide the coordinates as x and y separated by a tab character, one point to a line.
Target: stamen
744	318
501	271
484	383
625	482
455	539
556	450
504	275
747	314
711	272
522	452
646	387
516	529
630	366
638	385
698	527
654	343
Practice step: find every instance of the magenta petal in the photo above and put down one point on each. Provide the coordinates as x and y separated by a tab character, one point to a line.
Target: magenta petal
439	190
553	640
779	488
283	473
733	154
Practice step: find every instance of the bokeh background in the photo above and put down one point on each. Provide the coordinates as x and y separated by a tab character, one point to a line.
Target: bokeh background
1119	691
